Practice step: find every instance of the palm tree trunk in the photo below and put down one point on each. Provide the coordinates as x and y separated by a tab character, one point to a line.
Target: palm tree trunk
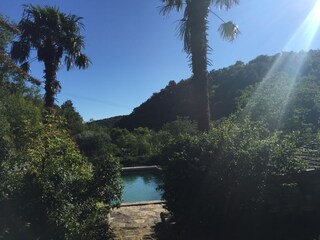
198	13
50	72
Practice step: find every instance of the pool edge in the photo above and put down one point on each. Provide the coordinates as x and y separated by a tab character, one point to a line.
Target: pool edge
128	169
128	204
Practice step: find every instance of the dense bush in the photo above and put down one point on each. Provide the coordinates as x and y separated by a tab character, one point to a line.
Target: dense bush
48	190
217	182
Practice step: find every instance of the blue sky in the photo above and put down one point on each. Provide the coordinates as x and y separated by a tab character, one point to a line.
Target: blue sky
135	50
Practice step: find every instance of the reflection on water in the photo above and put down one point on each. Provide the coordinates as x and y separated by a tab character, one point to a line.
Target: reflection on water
141	186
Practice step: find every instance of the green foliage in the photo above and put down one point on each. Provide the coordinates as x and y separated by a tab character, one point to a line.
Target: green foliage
44	168
48	190
141	146
303	107
217	182
267	102
132	148
6	33
94	142
181	126
74	120
52	191
284	102
8	68
5	141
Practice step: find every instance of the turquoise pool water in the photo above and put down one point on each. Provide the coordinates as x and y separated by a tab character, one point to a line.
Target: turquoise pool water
141	186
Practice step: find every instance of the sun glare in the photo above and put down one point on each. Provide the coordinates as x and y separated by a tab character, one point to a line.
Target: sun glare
306	32
302	40
317	8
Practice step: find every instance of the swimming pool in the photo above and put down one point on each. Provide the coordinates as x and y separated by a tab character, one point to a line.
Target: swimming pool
141	185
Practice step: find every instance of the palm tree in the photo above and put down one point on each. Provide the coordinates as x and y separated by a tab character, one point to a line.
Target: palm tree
53	35
193	30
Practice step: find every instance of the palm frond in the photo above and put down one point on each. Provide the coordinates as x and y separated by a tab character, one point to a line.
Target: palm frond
184	31
170	5
20	51
47	30
76	20
68	61
30	32
229	31
82	61
227	4
185	35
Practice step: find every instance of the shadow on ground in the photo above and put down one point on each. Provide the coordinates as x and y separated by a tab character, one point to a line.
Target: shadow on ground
164	231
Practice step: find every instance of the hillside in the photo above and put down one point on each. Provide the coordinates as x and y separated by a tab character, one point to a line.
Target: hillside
107	122
228	87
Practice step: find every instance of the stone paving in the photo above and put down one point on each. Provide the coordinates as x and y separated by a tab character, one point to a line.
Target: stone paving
136	222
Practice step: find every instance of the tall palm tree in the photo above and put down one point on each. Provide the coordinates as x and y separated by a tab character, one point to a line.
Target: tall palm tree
53	35
193	30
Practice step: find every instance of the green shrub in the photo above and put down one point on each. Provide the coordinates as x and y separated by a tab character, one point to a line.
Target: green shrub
50	191
216	182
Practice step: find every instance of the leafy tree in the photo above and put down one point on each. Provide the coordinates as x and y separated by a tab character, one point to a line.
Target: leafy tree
8	68
74	120
7	32
193	30
180	127
94	141
48	189
53	35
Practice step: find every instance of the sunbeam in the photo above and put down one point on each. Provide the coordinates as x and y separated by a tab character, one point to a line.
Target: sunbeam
302	38
305	34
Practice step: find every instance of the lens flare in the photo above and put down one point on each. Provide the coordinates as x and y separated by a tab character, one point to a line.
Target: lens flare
302	38
305	34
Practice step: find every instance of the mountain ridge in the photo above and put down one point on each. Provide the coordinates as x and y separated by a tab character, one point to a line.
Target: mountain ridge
226	87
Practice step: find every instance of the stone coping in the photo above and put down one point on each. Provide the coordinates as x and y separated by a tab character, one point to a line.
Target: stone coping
128	204
138	168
